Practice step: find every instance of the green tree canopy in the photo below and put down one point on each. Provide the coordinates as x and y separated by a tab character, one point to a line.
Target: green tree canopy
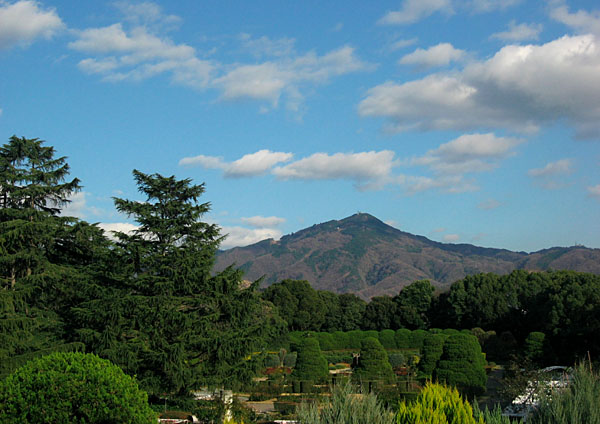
413	304
311	365
72	388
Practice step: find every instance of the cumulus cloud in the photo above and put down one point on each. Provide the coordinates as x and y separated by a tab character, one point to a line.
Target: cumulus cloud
519	88
240	236
438	55
263	221
581	21
25	21
250	165
594	191
265	46
370	170
562	166
412	11
519	32
468	153
488	205
400	44
451	238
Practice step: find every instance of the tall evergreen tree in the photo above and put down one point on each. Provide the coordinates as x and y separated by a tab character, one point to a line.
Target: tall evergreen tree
32	190
163	316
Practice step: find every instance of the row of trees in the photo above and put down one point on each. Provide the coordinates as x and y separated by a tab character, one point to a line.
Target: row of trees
147	301
564	305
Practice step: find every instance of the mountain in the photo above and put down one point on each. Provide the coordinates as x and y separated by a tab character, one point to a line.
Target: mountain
363	255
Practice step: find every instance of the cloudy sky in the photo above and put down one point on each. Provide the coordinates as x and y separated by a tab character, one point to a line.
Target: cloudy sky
466	121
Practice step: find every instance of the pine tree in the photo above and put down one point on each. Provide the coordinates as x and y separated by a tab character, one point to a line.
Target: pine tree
32	189
162	316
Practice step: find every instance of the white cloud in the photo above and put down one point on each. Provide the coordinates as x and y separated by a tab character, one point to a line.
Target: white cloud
263	221
78	207
438	55
270	80
138	54
519	88
484	6
519	32
265	46
468	153
370	170
582	21
562	166
415	10
147	14
488	205
240	236
24	21
447	183
594	191
117	227
451	238
400	44
249	165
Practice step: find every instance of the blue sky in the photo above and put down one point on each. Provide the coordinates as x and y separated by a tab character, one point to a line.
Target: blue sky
467	121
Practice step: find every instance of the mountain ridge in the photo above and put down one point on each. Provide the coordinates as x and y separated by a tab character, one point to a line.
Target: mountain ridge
363	255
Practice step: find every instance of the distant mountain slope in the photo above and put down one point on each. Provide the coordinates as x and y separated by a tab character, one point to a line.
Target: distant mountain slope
363	255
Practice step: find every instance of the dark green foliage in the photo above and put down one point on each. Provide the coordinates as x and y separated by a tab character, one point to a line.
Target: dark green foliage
462	364
299	304
578	404
379	313
373	363
387	339
352	309
416	339
72	388
433	347
397	359
340	340
492	417
311	365
413	304
534	346
354	339
162	316
325	341
402	338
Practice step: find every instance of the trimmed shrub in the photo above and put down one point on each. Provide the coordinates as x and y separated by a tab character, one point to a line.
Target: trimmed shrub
396	360
534	346
437	404
325	341
73	387
373	363
311	365
340	340
433	347
386	338
402	338
290	359
354	339
416	339
462	365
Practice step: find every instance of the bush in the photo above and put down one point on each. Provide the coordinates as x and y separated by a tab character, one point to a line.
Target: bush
387	339
433	347
354	339
396	359
416	339
534	347
437	404
72	387
311	365
340	340
271	360
344	408
402	338
325	341
290	359
462	364
373	362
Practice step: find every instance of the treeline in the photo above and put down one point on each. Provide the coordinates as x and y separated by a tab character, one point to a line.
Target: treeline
562	305
147	300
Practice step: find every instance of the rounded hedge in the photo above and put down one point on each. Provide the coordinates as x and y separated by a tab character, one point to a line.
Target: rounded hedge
73	387
311	365
373	363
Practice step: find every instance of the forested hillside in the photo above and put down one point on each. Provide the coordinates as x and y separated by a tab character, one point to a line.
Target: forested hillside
362	255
